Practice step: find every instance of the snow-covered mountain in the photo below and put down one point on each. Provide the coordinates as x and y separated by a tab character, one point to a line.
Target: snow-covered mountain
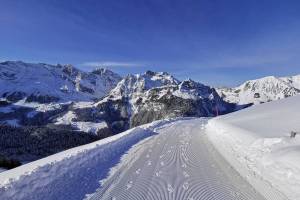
142	98
42	102
262	90
52	83
33	94
35	100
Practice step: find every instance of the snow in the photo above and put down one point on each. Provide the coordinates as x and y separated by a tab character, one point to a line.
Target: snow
2	170
167	159
177	163
64	82
257	142
293	80
66	119
268	88
137	84
40	107
83	104
78	169
89	127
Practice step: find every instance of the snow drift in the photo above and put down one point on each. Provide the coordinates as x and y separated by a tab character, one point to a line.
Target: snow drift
257	142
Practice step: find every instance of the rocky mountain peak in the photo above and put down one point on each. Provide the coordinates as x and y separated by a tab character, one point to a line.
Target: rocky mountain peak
262	90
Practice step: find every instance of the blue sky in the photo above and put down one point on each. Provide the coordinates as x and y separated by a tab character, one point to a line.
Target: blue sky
218	42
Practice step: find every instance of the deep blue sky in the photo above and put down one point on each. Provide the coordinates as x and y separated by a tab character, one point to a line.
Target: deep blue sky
218	42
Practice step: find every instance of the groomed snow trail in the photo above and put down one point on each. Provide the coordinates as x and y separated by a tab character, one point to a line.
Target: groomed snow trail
178	163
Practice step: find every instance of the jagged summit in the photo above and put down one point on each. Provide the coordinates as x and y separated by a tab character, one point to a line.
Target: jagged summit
142	98
134	85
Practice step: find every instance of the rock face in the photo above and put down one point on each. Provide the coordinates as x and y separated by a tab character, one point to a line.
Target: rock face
140	99
262	90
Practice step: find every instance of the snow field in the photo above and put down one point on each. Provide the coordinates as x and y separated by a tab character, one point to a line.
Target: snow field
69	174
256	141
178	163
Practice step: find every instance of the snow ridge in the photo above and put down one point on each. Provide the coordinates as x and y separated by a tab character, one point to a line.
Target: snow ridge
56	82
262	90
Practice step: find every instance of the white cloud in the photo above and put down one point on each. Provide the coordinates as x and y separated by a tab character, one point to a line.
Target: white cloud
112	64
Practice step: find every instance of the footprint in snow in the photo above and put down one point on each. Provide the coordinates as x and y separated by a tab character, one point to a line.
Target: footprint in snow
149	162
147	156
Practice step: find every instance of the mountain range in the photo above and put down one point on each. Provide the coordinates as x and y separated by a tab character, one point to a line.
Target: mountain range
262	90
46	108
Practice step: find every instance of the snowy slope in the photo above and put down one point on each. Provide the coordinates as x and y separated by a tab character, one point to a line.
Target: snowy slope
262	90
257	141
162	160
53	83
73	173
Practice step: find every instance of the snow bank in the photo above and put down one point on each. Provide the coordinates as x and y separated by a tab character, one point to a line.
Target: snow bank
257	142
73	173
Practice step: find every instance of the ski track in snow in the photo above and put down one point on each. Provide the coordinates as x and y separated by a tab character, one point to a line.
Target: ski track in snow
162	160
178	163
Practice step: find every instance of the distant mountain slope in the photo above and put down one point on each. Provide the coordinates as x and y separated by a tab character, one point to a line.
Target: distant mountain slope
139	99
61	101
262	90
34	100
48	83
